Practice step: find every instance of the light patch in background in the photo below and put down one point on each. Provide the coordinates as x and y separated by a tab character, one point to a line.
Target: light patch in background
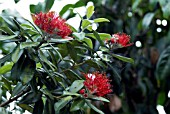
138	44
164	22
169	94
158	22
159	29
130	14
160	109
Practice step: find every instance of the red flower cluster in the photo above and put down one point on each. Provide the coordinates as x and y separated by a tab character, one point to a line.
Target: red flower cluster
122	39
52	24
97	83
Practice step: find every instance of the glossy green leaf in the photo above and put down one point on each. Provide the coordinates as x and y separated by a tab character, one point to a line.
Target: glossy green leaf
93	107
16	69
61	104
103	36
136	4
77	105
49	107
98	20
98	38
88	42
37	8
72	52
26	107
90	11
48	4
30	98
65	9
79	36
27	70
16	1
6	37
76	86
99	99
17	89
5	58
66	93
166	10
6	68
7	30
6	83
163	65
85	23
52	40
16	54
44	59
28	44
122	58
147	19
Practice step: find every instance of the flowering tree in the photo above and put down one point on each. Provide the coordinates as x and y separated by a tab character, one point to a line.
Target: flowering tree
55	68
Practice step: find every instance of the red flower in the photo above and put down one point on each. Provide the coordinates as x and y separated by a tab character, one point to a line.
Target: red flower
82	91
52	24
122	39
97	83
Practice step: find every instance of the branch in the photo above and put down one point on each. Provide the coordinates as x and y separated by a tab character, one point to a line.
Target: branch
16	97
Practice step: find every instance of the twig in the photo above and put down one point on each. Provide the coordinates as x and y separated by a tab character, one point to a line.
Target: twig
16	97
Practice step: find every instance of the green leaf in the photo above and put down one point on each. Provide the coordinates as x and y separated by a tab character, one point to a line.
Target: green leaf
161	98
147	19
38	107
17	89
76	86
98	38
6	68
16	1
79	36
28	44
93	107
99	99
66	93
89	42
27	70
49	107
135	4
16	54
98	20
48	5
6	37
16	69
44	59
7	30
85	23
37	8
166	10
5	58
90	11
77	105
163	65
103	36
61	104
6	83
122	58
72	51
30	98
65	9
52	40
26	107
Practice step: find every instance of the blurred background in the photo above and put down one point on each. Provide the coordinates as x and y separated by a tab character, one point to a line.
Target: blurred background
145	86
